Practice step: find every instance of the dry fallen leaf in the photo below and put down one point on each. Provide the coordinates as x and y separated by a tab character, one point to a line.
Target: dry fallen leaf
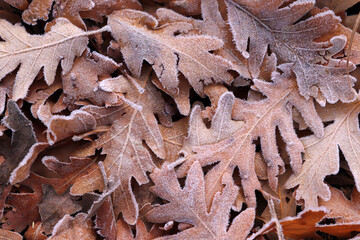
167	52
293	42
187	205
179	119
34	52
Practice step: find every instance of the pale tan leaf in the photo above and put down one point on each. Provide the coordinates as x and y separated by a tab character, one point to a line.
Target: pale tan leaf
233	147
322	153
34	52
212	24
168	53
187	205
126	156
74	228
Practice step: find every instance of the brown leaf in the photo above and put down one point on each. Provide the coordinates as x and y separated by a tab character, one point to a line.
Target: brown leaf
5	234
268	23
167	53
72	173
24	205
106	7
336	5
106	220
69	9
82	82
186	7
187	205
124	231
232	146
20	4
33	52
61	127
37	10
74	228
306	225
35	232
322	153
342	209
54	207
174	138
23	147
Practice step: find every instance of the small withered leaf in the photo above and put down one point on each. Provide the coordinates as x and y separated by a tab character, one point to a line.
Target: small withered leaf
23	138
54	207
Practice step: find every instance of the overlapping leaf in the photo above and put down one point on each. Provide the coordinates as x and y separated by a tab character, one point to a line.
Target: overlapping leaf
258	25
141	38
322	154
187	205
232	147
33	52
126	156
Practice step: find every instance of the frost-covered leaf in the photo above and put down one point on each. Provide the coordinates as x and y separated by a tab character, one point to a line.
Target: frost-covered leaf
187	205
343	210
21	151
322	153
126	156
82	82
259	25
230	144
212	24
306	226
74	228
141	38
34	52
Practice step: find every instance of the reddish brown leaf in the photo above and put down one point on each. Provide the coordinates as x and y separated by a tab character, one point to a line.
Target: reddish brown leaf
74	228
54	207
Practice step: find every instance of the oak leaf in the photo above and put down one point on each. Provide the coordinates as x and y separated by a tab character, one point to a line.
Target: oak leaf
53	207
126	156
106	7
22	151
34	52
35	232
212	24
187	205
258	25
24	205
342	209
82	82
124	231
306	225
167	52
106	220
322	153
233	147
74	228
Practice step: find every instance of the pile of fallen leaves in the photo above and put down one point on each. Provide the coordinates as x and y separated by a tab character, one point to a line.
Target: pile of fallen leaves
168	119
